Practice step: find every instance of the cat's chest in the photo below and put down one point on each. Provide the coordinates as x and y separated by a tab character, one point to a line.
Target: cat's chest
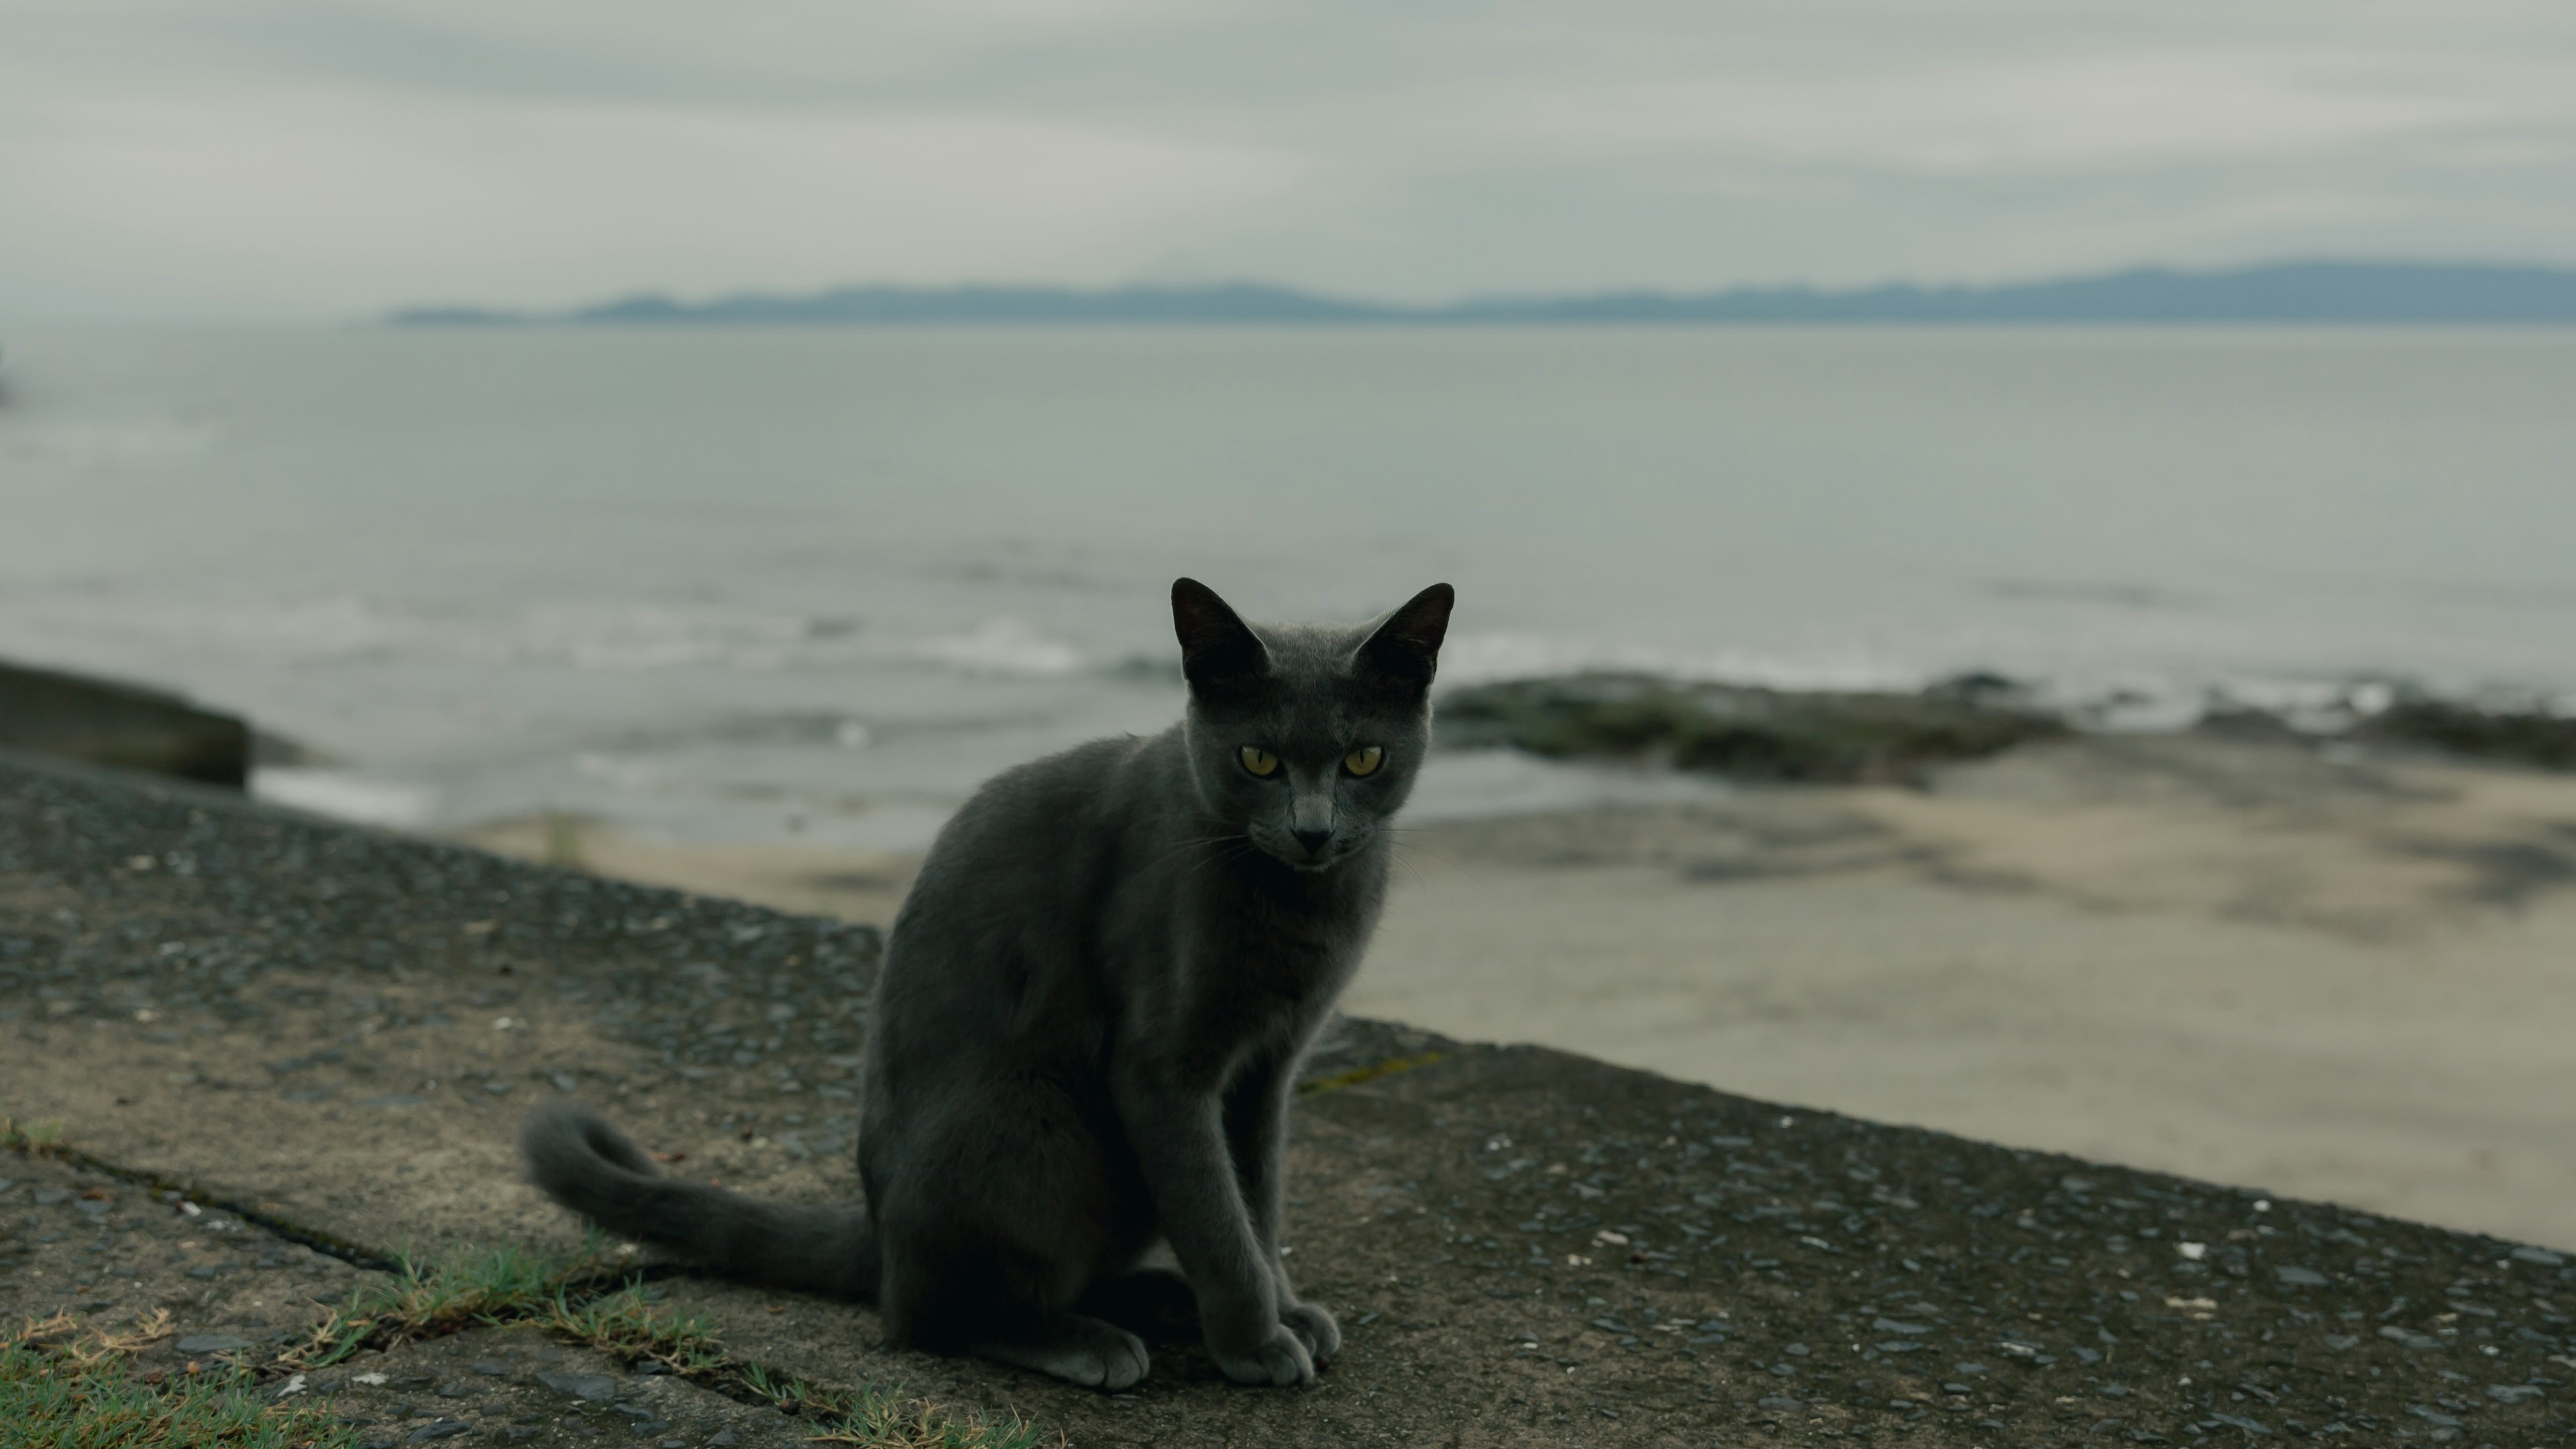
1290	956
1258	933
1294	919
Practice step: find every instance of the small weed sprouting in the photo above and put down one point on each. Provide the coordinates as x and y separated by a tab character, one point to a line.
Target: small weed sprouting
35	1139
874	1420
625	1325
563	840
465	1289
62	1383
587	1299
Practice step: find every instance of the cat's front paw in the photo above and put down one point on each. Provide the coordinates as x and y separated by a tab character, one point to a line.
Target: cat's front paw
1279	1361
1314	1328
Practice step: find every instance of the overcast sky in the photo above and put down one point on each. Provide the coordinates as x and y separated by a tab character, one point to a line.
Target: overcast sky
223	158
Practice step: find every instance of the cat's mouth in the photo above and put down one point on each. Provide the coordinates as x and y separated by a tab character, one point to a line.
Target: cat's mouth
1299	855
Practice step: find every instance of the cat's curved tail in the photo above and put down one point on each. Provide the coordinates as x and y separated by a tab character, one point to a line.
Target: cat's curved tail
592	1168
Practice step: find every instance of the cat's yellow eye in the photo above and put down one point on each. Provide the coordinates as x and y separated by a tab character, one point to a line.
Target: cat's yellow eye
1258	760
1364	760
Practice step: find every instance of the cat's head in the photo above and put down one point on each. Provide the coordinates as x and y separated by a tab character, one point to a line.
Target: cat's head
1307	738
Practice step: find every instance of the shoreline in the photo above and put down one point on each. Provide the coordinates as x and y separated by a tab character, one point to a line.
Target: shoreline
1527	1246
2336	975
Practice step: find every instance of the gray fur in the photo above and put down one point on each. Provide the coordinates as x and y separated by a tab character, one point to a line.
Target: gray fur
1088	1025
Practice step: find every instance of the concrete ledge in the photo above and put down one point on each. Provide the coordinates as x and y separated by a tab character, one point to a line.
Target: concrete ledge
337	1029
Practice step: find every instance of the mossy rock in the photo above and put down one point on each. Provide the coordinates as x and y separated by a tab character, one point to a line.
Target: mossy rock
101	722
2522	736
1745	733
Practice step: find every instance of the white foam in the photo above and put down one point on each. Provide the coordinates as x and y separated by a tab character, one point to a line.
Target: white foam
618	772
1480	658
1003	646
606	637
342	795
622	639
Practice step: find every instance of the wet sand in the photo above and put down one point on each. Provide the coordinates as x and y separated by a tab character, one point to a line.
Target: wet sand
2343	978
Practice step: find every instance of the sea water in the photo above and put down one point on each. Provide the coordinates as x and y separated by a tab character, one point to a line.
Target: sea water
771	583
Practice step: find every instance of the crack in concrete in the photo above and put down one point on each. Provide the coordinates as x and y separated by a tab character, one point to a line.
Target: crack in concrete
733	1377
353	1254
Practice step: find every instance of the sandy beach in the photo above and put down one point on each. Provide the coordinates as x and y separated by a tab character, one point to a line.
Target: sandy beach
2331	975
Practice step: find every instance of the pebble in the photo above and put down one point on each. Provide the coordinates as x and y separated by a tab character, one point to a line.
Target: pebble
595	1387
2512	1393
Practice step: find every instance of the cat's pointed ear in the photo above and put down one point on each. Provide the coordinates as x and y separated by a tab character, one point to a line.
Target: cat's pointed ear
1216	645
1405	650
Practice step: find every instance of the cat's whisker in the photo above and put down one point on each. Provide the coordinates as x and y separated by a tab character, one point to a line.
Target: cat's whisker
1239	848
1400	838
1189	845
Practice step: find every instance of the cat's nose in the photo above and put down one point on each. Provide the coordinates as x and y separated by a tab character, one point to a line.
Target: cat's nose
1313	840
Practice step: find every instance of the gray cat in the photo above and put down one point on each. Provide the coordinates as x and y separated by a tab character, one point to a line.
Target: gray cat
1088	1023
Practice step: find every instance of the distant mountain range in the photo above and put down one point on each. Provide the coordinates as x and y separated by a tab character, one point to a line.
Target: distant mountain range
2288	292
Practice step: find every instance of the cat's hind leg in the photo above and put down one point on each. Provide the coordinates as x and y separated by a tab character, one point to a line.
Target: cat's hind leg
1072	1346
992	1231
952	1296
1151	1299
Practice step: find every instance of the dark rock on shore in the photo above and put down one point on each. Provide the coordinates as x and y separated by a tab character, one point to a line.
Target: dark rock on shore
2408	717
126	726
1749	733
2521	736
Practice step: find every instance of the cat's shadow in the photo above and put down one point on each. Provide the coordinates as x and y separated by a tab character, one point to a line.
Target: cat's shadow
1155	1304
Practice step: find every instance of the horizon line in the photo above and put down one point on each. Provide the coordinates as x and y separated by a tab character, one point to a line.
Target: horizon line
2315	290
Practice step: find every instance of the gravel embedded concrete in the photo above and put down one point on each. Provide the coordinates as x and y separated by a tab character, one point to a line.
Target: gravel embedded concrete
335	1032
516	1386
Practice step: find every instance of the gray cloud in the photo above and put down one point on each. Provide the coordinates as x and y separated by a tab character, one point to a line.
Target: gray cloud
181	156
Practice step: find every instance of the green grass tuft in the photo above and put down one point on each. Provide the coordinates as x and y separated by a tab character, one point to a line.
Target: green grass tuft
625	1325
874	1419
881	1421
1741	732
64	1386
36	1139
586	1298
465	1289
